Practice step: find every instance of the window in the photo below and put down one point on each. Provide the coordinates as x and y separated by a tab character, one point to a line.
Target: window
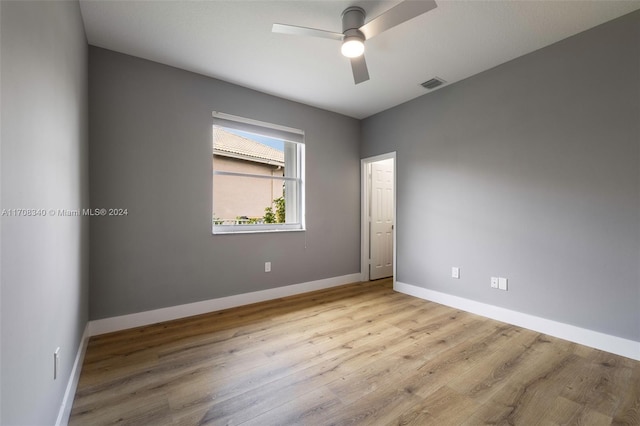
258	176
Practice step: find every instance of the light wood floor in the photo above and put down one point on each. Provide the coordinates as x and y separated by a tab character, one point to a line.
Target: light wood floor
357	354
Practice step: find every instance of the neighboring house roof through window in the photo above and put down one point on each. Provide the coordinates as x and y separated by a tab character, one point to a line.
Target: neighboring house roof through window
231	145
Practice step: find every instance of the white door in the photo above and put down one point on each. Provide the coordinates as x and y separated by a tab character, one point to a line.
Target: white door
381	210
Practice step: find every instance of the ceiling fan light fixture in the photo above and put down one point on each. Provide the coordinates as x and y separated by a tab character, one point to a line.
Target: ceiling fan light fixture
352	47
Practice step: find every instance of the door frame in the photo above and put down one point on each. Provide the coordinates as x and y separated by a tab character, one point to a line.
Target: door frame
365	196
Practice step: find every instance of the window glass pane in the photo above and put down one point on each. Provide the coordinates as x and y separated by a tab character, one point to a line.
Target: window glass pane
277	144
257	182
241	152
245	200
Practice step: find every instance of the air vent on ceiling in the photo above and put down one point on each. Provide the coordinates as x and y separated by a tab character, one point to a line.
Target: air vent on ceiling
433	83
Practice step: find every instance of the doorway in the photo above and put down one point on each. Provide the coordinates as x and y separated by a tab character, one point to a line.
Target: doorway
378	198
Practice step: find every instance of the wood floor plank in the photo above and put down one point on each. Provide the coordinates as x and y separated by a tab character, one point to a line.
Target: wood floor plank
317	404
567	412
495	370
296	376
596	384
401	362
379	406
628	412
358	354
150	408
297	361
440	370
524	399
442	407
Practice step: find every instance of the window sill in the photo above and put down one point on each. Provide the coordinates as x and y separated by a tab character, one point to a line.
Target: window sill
257	231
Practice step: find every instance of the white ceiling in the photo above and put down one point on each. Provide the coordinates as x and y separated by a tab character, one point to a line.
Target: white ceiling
232	41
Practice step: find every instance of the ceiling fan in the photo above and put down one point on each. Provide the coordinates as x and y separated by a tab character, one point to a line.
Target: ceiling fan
355	32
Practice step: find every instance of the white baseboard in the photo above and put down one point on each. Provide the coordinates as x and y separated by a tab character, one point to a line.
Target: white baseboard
594	339
67	401
108	325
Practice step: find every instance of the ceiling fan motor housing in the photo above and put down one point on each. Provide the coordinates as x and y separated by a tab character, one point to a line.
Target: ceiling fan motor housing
352	19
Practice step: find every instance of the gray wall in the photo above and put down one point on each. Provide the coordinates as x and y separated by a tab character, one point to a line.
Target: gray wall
528	171
150	152
44	166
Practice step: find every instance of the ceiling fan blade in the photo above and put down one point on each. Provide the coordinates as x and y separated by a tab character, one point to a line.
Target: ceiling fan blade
359	68
303	31
398	14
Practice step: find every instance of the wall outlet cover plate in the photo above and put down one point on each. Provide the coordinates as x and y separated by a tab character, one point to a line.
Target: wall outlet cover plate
455	272
494	282
502	283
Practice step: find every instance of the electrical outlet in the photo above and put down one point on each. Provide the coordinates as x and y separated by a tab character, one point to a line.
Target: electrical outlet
267	266
455	272
56	362
494	282
502	283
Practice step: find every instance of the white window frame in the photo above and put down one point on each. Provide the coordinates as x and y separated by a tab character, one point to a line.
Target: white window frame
294	153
